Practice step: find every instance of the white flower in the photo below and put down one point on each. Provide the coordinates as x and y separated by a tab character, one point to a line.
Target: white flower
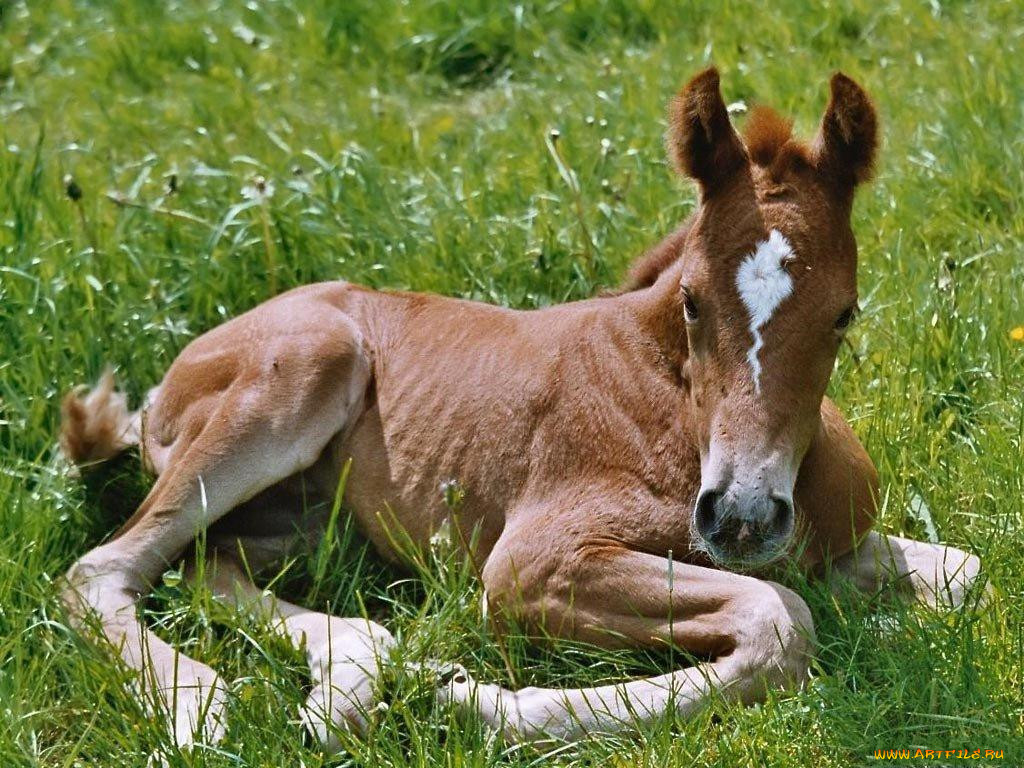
441	539
260	189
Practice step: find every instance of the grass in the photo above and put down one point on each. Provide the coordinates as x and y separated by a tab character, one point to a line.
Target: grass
407	144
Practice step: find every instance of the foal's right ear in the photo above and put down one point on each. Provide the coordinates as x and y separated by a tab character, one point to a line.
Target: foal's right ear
701	140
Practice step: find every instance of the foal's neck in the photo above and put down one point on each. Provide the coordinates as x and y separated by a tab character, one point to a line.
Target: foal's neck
659	312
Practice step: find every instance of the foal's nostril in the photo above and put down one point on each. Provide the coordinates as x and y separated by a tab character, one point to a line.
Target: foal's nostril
706	514
782	515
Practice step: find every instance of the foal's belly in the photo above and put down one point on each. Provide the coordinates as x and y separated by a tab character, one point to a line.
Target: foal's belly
396	487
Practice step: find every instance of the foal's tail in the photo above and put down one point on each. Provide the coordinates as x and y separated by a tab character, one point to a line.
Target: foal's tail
97	425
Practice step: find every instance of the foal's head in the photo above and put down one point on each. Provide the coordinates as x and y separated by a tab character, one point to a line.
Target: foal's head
768	289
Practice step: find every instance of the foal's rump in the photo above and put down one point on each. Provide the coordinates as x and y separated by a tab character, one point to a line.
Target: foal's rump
298	356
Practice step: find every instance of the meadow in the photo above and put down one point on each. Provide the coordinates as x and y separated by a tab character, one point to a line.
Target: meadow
510	153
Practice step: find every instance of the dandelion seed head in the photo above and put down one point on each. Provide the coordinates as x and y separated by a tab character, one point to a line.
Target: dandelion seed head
259	188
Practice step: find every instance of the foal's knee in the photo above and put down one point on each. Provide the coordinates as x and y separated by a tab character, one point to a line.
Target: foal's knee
525	592
774	639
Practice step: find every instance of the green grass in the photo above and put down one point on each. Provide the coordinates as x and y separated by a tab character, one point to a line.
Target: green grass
406	144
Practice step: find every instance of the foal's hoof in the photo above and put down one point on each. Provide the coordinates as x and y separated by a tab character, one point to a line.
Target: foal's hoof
192	713
498	708
199	714
186	735
445	675
211	728
345	702
454	684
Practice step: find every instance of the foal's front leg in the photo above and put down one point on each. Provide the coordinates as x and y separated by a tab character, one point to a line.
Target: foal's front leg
757	634
935	574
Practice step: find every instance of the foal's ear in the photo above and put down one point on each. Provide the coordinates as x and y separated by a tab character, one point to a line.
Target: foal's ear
701	140
844	149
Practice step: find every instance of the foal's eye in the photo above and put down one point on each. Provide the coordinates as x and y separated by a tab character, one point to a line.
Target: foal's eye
844	320
689	306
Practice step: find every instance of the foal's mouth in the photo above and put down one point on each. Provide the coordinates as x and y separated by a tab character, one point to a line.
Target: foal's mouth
769	553
735	549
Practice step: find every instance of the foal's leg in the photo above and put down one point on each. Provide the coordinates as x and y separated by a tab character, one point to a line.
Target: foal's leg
345	656
757	634
937	575
273	405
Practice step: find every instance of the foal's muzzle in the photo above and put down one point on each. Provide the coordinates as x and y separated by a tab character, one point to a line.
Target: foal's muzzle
744	528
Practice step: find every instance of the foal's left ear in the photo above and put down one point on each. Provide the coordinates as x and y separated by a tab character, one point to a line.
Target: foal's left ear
844	149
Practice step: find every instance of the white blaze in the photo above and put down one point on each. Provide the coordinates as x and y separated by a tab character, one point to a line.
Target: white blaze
763	284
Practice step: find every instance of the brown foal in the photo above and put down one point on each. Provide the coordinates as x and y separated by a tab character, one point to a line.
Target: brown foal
629	463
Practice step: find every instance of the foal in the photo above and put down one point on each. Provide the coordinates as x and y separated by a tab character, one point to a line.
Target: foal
629	462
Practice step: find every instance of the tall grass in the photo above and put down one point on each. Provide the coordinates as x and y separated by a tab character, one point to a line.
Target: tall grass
409	146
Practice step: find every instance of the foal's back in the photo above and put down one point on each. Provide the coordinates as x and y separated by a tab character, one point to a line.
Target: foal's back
516	407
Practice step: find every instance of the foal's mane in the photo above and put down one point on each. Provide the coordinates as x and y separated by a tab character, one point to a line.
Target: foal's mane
768	137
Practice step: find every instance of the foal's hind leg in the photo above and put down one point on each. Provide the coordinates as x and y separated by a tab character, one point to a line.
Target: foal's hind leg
345	656
279	399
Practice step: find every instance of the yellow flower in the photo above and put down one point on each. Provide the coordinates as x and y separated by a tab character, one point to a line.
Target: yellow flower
1017	334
